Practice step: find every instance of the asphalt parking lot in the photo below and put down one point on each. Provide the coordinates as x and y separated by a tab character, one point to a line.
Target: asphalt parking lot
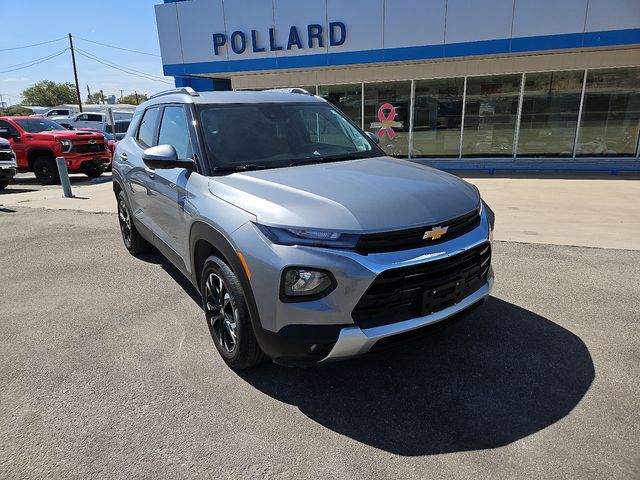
107	370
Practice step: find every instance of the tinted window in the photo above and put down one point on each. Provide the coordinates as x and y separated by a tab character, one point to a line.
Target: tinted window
83	118
174	131
95	118
148	127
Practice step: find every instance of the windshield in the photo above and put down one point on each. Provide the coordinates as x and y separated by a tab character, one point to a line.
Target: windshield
37	125
273	135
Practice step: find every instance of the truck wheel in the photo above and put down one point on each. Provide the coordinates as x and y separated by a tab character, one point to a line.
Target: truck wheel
94	172
227	316
132	239
46	170
3	185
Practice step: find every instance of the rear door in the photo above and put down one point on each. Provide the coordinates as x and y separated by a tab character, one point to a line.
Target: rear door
169	189
132	167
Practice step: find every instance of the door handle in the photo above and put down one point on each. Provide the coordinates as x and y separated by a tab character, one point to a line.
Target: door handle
123	157
150	171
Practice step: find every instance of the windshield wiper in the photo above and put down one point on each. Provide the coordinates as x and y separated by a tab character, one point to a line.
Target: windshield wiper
238	168
330	158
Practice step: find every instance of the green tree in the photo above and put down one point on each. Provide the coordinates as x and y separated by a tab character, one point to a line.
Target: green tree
47	93
131	99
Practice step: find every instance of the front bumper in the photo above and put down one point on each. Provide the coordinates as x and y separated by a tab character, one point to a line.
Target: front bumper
8	170
324	329
354	341
87	162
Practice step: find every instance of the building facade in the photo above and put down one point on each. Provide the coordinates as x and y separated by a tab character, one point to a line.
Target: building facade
459	83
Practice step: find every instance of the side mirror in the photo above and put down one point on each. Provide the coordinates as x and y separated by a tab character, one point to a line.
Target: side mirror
373	137
165	156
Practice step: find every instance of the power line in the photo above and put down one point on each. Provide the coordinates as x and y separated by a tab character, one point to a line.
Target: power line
41	60
122	68
117	48
30	61
32	45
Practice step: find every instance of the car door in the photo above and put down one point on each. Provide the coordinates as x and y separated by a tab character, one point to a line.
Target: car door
11	133
169	189
133	168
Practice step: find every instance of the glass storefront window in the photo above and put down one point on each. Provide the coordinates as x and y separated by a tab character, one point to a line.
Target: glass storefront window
348	98
386	114
490	115
549	116
610	113
437	117
311	89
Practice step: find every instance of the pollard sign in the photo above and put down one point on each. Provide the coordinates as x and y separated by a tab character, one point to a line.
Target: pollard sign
315	36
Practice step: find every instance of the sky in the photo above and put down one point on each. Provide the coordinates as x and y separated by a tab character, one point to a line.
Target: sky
123	23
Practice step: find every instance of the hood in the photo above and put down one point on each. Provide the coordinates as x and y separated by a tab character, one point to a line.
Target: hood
365	195
66	134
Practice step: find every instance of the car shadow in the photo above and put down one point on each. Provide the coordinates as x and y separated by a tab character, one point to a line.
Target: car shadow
493	376
481	380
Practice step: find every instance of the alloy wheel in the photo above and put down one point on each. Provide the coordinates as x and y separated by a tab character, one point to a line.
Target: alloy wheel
125	222
221	313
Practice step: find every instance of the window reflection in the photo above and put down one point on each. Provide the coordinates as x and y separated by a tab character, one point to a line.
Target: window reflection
490	115
611	113
437	117
549	113
390	124
348	98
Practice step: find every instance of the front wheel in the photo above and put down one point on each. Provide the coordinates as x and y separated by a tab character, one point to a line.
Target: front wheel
3	185
227	316
95	172
46	171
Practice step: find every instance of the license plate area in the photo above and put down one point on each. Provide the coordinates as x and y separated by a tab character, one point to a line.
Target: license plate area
440	297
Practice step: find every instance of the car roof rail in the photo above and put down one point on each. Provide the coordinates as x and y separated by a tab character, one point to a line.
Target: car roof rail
186	90
299	90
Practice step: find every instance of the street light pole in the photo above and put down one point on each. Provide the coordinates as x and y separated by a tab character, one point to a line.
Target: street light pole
75	72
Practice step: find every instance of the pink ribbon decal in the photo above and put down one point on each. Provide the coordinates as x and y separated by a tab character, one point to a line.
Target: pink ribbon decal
387	122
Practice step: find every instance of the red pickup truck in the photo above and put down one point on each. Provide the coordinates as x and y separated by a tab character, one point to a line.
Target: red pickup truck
38	141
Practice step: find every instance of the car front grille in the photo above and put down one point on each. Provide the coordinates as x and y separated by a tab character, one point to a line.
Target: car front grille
403	293
413	237
89	148
6	156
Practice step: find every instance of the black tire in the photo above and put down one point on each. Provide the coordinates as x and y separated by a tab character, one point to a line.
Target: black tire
132	239
95	172
233	316
46	171
4	185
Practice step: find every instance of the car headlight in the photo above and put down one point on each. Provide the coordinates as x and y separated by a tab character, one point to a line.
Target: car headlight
304	284
315	238
67	145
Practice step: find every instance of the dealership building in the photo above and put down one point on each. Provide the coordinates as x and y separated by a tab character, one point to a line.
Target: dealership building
461	84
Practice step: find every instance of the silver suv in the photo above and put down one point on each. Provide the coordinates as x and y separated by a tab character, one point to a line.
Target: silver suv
307	243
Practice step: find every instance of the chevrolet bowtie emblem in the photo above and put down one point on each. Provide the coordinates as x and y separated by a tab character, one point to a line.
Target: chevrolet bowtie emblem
435	233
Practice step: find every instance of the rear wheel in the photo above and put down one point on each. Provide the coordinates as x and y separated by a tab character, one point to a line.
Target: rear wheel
132	239
228	316
46	171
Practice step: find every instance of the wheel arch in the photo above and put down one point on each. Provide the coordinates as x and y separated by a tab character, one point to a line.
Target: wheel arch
34	153
204	241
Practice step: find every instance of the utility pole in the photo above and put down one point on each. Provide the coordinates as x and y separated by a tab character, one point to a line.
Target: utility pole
137	100
121	96
75	72
1	103
89	94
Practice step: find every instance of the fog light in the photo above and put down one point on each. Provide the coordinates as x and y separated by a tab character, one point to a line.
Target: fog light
300	284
